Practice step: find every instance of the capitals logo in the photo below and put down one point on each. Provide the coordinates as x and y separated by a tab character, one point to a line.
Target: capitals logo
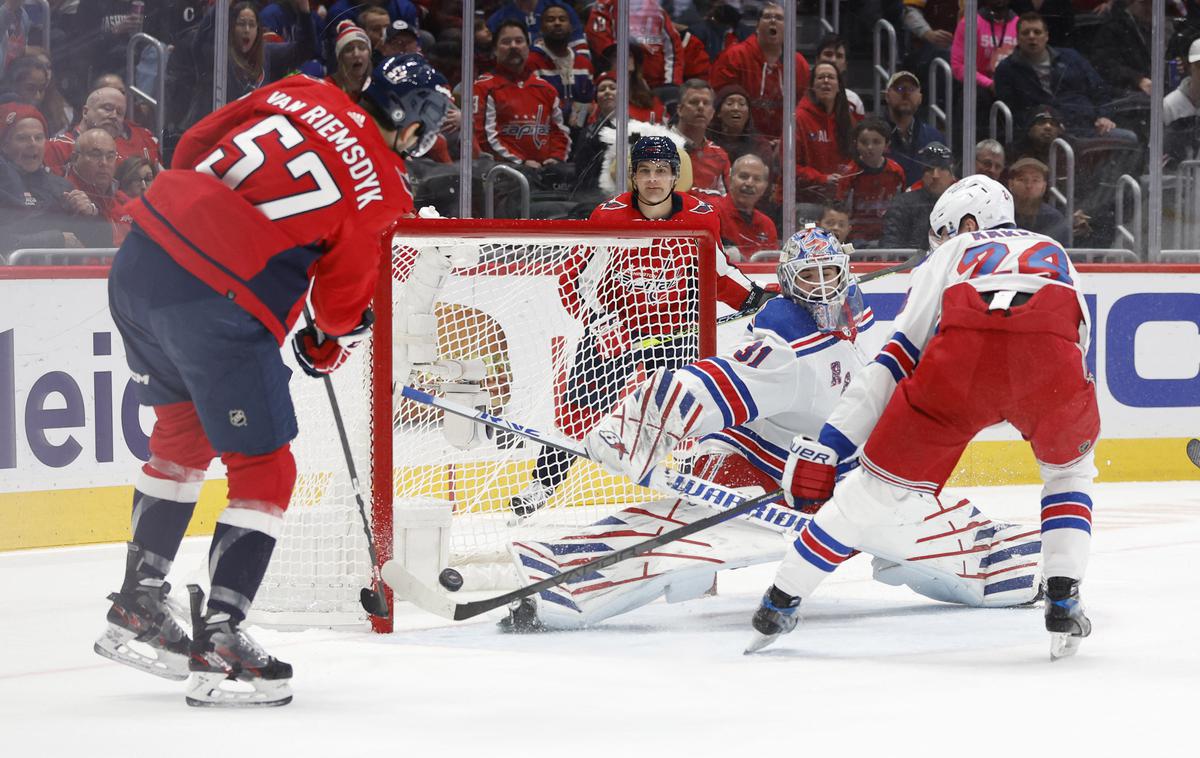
528	126
652	284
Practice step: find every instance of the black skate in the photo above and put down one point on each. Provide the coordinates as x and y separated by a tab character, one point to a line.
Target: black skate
522	618
1065	619
142	633
775	616
229	669
527	502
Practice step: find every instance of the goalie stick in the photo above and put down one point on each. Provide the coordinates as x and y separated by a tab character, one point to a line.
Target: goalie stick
1193	452
373	599
871	276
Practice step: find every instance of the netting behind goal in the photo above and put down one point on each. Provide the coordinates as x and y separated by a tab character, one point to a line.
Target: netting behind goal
561	319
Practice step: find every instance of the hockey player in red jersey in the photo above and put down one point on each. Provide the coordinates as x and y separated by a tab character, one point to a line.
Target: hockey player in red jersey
643	296
289	187
995	328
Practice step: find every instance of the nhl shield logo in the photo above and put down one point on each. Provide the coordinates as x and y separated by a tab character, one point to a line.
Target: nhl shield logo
237	417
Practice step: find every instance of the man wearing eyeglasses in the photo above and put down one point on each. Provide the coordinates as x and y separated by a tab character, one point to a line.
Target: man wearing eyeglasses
909	133
92	169
104	109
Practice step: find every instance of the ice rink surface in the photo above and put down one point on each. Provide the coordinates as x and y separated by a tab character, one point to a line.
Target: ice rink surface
871	670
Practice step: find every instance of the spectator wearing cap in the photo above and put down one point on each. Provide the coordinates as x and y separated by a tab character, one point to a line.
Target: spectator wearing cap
92	169
989	158
37	208
1027	181
1181	102
568	69
824	125
755	65
710	164
1121	48
744	227
529	14
906	223
518	118
909	134
399	38
352	51
1038	74
1045	126
732	128
650	27
832	48
104	109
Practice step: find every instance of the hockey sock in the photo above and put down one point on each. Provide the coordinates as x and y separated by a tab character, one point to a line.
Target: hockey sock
164	499
237	561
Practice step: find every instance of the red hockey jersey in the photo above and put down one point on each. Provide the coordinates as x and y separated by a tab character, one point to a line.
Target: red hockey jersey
867	193
290	183
136	141
519	118
817	151
710	167
651	289
747	234
650	27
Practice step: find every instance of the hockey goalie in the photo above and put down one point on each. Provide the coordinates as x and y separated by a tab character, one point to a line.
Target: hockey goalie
784	377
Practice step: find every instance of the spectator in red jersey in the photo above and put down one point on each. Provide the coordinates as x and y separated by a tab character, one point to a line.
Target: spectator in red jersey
835	219
696	63
352	51
518	118
568	69
870	181
832	48
37	208
650	27
823	127
755	64
742	226
710	164
104	109
732	128
644	105
135	174
93	170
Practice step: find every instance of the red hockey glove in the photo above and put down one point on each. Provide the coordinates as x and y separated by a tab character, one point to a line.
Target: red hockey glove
319	354
610	334
809	474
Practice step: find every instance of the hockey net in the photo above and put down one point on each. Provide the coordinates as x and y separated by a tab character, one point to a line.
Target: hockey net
518	302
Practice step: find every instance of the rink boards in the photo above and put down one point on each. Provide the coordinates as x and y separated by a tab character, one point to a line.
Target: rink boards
72	435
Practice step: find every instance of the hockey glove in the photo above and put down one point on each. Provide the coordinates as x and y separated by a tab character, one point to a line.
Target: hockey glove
320	354
645	427
758	297
610	335
809	474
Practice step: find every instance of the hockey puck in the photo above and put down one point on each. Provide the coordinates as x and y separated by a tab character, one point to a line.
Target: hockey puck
450	579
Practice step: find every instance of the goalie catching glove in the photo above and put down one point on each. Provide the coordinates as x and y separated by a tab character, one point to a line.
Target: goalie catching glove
320	354
809	474
644	428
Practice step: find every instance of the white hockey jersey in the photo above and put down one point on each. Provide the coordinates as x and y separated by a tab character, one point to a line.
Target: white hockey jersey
998	260
783	379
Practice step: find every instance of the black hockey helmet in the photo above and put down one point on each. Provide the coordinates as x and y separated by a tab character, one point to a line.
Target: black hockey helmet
654	148
406	90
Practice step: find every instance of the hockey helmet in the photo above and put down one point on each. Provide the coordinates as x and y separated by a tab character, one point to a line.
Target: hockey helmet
978	196
406	90
805	277
654	148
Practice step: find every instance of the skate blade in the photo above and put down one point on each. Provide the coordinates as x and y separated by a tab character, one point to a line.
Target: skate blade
210	689
119	645
1063	645
759	642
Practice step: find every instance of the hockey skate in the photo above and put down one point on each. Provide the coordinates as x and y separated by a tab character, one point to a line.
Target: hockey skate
527	502
522	618
1065	619
229	669
776	616
142	633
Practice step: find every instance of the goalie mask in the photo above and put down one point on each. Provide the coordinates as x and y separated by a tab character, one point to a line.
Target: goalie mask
406	90
814	271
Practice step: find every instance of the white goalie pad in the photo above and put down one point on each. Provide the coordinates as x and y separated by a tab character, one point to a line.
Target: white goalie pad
681	570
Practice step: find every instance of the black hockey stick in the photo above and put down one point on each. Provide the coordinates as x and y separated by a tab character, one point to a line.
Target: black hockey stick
373	598
871	276
408	587
1193	451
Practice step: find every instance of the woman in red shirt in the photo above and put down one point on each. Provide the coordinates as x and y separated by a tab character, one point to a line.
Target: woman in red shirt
824	123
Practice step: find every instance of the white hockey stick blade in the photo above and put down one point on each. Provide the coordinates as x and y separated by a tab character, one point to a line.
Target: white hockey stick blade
405	586
1063	645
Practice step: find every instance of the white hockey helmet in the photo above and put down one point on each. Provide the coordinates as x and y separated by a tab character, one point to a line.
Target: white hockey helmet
978	196
806	278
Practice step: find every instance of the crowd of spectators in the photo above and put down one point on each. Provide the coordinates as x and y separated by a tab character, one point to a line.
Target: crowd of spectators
708	72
